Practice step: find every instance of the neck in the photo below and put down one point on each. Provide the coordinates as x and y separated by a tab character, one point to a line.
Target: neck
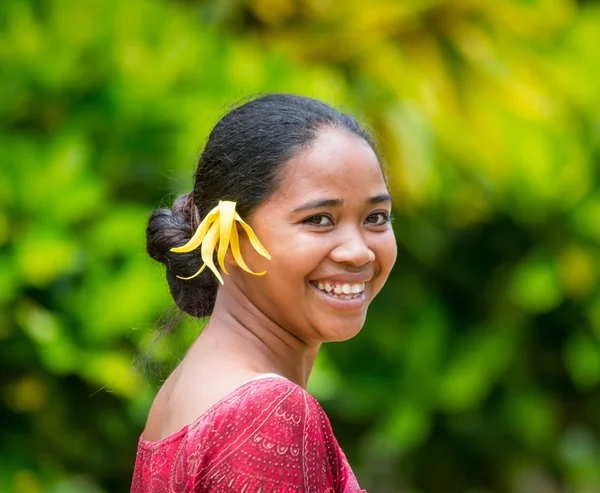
241	333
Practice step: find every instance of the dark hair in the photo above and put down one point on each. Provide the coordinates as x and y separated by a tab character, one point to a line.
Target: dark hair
240	162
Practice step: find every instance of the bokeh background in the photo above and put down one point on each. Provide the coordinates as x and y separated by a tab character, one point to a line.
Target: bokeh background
479	368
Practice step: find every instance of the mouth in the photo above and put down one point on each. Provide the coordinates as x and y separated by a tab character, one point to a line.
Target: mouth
339	290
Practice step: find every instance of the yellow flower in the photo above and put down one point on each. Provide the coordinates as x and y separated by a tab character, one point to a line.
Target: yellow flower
219	227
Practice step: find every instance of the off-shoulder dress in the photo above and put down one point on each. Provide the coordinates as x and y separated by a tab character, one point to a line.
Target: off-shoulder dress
267	436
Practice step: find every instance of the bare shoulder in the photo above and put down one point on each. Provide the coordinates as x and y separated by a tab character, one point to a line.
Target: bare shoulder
185	396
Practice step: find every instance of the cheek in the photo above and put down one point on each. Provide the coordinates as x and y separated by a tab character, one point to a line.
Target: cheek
299	254
386	251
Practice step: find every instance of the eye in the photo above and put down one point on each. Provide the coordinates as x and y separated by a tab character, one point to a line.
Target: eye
378	219
319	220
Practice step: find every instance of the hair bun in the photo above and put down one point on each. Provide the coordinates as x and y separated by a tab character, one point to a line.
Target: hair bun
169	228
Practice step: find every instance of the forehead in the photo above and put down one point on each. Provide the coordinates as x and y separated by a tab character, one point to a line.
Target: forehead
337	164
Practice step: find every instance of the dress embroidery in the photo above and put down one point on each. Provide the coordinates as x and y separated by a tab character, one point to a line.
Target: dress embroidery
268	436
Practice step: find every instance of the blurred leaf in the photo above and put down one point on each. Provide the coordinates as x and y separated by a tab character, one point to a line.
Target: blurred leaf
533	417
76	485
49	335
578	271
26	394
406	426
26	482
476	364
534	285
44	253
582	359
111	370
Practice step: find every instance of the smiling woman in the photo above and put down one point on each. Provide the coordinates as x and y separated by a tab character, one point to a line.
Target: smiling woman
291	201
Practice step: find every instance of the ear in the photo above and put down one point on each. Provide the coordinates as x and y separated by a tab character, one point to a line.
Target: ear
229	260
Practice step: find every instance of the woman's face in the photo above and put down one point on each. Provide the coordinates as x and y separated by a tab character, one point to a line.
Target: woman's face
328	231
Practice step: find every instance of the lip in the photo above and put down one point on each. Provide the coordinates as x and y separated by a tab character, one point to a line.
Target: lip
339	304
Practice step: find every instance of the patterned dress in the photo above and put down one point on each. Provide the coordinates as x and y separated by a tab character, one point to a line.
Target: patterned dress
267	436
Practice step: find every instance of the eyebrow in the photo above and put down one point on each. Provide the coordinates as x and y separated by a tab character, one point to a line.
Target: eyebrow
316	204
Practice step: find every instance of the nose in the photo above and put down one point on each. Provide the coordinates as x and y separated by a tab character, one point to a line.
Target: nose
353	249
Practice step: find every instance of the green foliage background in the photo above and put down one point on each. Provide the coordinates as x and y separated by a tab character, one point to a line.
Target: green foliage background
479	367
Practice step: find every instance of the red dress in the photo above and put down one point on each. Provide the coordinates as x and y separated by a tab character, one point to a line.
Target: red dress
267	436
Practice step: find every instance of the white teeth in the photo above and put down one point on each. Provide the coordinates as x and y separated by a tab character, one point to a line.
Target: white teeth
346	290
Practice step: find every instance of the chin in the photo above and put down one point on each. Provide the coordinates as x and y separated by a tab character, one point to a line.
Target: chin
341	332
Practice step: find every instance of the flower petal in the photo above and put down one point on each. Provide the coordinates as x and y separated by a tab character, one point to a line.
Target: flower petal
219	227
191	277
208	249
226	222
200	233
237	254
252	237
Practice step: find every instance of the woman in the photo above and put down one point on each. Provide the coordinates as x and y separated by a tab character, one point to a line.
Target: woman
315	248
